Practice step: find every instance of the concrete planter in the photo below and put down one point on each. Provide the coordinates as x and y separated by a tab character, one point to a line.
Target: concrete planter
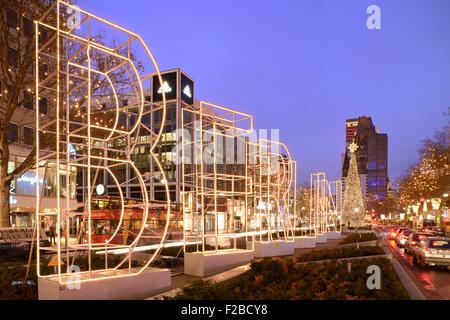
272	248
321	238
126	287
207	264
333	235
304	242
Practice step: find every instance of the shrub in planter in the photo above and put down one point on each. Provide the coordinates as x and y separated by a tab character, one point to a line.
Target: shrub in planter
339	253
327	281
361	228
359	237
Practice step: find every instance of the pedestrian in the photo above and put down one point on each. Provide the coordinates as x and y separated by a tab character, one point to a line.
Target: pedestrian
52	232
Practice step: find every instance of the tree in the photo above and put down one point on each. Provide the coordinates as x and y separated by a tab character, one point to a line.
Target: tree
17	60
303	201
353	212
430	176
379	207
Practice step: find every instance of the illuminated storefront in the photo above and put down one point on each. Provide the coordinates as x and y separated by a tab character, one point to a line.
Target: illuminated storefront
23	193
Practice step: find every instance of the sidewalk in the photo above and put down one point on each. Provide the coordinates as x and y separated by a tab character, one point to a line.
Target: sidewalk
180	281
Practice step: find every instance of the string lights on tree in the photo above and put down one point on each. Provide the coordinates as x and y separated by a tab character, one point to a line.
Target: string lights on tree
353	213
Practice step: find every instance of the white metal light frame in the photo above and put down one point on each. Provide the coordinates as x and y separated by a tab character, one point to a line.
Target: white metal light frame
79	63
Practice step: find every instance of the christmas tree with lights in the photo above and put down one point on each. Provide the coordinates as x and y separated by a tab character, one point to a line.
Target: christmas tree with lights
353	213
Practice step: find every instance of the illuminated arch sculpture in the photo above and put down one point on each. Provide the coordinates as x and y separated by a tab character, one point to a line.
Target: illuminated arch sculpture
325	203
273	174
82	133
214	187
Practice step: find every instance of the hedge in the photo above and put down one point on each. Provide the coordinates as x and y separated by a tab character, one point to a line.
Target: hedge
339	253
360	237
280	279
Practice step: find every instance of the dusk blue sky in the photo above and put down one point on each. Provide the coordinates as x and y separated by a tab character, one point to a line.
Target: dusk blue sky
304	66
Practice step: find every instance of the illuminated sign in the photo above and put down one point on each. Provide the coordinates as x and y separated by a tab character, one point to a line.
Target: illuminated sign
187	85
166	88
100	189
169	86
31	180
187	91
173	89
12	200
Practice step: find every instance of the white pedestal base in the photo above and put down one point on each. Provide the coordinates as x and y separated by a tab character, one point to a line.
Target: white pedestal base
207	264
321	238
305	242
127	287
272	249
333	235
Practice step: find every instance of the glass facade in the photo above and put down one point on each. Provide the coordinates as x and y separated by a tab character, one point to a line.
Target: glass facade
377	176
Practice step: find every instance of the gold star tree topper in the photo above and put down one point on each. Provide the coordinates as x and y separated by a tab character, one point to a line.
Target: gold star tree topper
353	147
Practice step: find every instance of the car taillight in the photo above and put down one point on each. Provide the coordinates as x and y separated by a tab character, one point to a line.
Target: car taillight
413	243
393	233
427	252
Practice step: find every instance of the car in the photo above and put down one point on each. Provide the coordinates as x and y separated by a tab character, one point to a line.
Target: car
401	238
393	233
426	230
398	231
412	241
432	251
438	232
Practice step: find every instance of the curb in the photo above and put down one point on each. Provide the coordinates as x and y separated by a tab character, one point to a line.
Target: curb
408	284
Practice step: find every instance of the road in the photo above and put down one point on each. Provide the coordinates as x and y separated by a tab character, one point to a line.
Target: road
434	283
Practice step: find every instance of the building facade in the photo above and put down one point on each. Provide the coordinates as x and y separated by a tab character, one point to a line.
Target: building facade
371	156
179	90
19	99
